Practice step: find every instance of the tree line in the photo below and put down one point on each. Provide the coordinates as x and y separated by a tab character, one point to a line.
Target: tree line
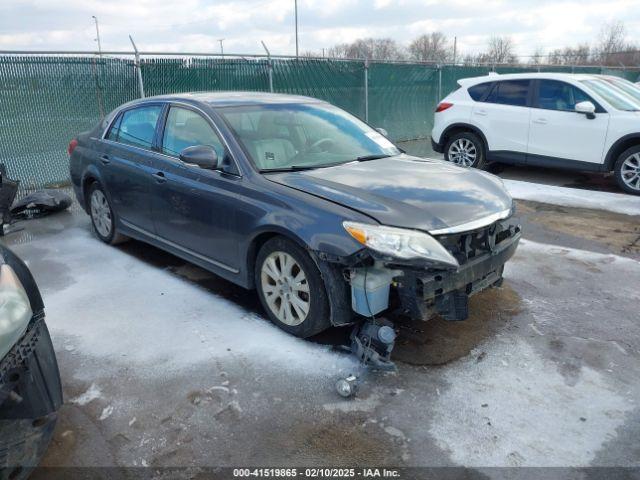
610	48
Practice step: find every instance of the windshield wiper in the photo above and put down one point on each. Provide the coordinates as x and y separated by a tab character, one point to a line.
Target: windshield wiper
297	168
366	158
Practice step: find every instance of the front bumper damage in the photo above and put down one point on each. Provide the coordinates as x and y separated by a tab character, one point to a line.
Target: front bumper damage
423	294
30	396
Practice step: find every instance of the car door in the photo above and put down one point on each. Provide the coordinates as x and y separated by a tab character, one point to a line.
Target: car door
557	130
195	209
503	117
125	164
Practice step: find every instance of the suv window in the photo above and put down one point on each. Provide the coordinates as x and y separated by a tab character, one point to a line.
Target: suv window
186	128
510	92
136	126
556	95
476	92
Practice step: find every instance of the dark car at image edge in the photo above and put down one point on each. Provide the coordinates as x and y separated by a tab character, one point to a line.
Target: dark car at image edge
322	214
30	387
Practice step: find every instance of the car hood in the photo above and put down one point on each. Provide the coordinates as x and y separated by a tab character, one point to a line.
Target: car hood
405	191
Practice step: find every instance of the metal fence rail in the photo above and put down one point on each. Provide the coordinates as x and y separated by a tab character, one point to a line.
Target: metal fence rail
47	99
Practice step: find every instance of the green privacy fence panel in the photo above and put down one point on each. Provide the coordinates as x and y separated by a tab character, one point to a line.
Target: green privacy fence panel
338	82
46	100
179	75
402	99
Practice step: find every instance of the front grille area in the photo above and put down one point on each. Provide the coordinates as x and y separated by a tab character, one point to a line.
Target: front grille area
469	245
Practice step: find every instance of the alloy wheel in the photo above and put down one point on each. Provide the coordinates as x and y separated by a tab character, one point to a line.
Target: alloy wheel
101	213
630	171
463	152
285	288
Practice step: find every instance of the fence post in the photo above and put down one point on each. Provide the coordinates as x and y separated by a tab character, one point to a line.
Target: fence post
366	90
138	69
439	83
269	67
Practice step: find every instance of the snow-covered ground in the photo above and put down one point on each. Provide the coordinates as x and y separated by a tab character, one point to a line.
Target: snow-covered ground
574	197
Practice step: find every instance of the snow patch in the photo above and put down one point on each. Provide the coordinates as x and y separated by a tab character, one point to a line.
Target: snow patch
574	197
92	393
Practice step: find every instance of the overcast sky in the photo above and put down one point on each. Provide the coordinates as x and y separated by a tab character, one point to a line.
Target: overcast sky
196	25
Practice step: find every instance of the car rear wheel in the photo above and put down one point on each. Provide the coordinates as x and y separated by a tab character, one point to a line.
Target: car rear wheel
102	217
291	288
465	149
627	170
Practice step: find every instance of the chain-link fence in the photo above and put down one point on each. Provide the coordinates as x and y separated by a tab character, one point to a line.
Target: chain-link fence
47	99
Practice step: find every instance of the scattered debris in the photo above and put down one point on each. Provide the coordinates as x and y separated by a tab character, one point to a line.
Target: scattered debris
41	203
92	393
106	412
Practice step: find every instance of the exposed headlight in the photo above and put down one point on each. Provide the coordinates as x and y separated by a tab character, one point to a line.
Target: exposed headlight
400	243
15	309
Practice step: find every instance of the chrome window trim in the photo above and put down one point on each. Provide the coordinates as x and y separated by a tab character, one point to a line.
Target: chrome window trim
181	248
475	224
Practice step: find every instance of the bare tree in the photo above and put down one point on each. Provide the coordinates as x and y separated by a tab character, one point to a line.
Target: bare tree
580	55
369	48
612	39
501	50
537	57
431	47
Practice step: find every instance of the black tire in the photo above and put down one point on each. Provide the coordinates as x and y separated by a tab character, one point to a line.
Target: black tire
317	317
112	237
620	175
474	140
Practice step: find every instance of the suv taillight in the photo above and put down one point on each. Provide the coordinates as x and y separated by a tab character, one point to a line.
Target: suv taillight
72	145
442	106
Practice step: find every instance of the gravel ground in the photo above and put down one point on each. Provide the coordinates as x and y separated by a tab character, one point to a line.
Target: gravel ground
164	364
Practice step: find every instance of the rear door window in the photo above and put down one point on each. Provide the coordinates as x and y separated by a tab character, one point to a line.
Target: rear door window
136	126
510	92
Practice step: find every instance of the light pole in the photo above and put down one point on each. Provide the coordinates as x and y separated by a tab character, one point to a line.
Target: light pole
295	3
221	47
97	35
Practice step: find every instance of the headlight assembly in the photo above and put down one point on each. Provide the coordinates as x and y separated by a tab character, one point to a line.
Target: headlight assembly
15	309
400	243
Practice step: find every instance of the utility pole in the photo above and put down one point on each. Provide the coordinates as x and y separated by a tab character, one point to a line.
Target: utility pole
455	48
295	2
97	35
221	46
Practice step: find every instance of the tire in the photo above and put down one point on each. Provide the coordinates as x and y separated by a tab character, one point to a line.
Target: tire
465	149
102	217
284	294
627	170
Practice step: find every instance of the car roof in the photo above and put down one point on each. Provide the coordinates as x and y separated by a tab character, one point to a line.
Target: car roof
492	77
228	99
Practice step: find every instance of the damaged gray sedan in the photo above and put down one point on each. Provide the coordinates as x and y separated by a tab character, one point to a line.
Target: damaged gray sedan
326	218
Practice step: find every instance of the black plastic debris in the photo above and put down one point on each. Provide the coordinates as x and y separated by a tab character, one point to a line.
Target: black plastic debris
41	203
8	191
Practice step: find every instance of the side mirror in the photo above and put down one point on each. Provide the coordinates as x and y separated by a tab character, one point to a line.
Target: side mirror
202	156
382	132
587	108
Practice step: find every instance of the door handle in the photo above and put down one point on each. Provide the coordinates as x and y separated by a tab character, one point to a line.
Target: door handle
105	159
482	113
540	121
159	176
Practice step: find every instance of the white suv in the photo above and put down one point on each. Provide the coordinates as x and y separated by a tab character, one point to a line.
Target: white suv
582	122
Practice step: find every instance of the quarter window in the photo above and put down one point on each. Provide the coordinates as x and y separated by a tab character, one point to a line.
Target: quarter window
186	128
476	92
136	126
556	95
510	92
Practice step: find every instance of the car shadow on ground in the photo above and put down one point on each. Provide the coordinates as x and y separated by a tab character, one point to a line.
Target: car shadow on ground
434	342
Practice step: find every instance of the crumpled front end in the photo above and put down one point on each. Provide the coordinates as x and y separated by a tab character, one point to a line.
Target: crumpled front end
30	396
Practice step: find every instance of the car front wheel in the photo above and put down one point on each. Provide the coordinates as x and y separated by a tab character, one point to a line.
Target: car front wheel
627	170
291	288
465	149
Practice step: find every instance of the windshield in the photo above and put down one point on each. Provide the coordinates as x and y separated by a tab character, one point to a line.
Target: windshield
617	98
301	136
626	86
